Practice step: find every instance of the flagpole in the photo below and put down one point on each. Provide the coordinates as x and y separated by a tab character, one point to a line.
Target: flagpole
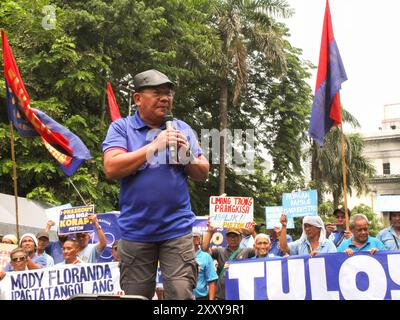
76	189
344	172
14	177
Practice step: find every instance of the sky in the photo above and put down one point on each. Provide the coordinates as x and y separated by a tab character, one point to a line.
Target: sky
367	34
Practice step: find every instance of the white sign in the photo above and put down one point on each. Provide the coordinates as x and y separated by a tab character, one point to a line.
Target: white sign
231	212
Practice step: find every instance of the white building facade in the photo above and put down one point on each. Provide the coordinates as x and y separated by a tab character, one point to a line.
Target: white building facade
382	148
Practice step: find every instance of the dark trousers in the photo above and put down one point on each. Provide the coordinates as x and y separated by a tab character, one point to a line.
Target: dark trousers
178	266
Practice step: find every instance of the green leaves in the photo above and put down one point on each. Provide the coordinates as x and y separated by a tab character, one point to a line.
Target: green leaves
65	72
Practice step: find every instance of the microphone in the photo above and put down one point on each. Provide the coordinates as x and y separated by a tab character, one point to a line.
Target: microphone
168	118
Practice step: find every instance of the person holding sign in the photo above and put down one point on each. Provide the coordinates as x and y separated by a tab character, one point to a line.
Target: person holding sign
156	217
312	241
248	235
90	252
223	255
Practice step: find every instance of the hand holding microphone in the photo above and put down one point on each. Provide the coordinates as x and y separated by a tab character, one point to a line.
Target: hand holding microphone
173	159
176	141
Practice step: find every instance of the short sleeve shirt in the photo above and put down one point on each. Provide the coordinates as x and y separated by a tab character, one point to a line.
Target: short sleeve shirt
154	200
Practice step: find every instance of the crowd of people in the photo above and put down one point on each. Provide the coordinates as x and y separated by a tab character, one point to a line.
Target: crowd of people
36	251
153	155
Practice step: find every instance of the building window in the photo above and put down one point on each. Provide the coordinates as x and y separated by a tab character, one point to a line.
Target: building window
386	168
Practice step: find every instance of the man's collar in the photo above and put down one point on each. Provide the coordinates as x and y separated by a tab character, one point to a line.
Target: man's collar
139	124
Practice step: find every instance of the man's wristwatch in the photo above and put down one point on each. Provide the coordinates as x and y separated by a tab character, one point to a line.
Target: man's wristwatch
98	227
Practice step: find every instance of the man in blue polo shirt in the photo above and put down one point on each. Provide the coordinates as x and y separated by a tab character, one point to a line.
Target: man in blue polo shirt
156	217
361	240
391	236
207	276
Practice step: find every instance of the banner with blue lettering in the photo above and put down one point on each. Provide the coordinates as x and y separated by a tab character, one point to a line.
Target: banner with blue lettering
331	276
109	224
61	282
300	204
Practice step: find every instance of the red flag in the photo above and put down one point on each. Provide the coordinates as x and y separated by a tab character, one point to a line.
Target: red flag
14	81
112	103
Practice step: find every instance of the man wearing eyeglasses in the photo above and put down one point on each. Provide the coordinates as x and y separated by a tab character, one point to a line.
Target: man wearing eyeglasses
156	217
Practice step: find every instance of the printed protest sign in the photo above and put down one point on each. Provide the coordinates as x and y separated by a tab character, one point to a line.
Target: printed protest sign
300	204
272	216
231	212
53	214
74	220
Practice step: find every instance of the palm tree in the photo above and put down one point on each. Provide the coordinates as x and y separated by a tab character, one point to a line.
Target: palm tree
243	26
327	162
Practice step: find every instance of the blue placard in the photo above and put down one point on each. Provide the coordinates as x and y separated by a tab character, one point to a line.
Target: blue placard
219	237
272	216
75	219
300	204
109	224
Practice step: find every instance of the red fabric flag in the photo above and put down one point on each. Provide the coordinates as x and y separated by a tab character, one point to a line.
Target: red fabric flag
14	81
112	103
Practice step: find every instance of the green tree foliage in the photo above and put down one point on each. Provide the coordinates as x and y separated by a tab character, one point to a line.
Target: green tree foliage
244	27
65	70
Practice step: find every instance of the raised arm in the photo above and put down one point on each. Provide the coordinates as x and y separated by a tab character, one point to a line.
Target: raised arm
102	238
282	238
207	236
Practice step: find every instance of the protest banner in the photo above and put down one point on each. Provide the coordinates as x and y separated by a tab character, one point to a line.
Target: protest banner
331	276
272	216
300	204
231	212
75	219
61	282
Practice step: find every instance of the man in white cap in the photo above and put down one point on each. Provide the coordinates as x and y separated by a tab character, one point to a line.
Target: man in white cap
29	243
312	241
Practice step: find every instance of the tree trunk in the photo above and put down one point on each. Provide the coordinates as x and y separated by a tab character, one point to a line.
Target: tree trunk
223	121
336	199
